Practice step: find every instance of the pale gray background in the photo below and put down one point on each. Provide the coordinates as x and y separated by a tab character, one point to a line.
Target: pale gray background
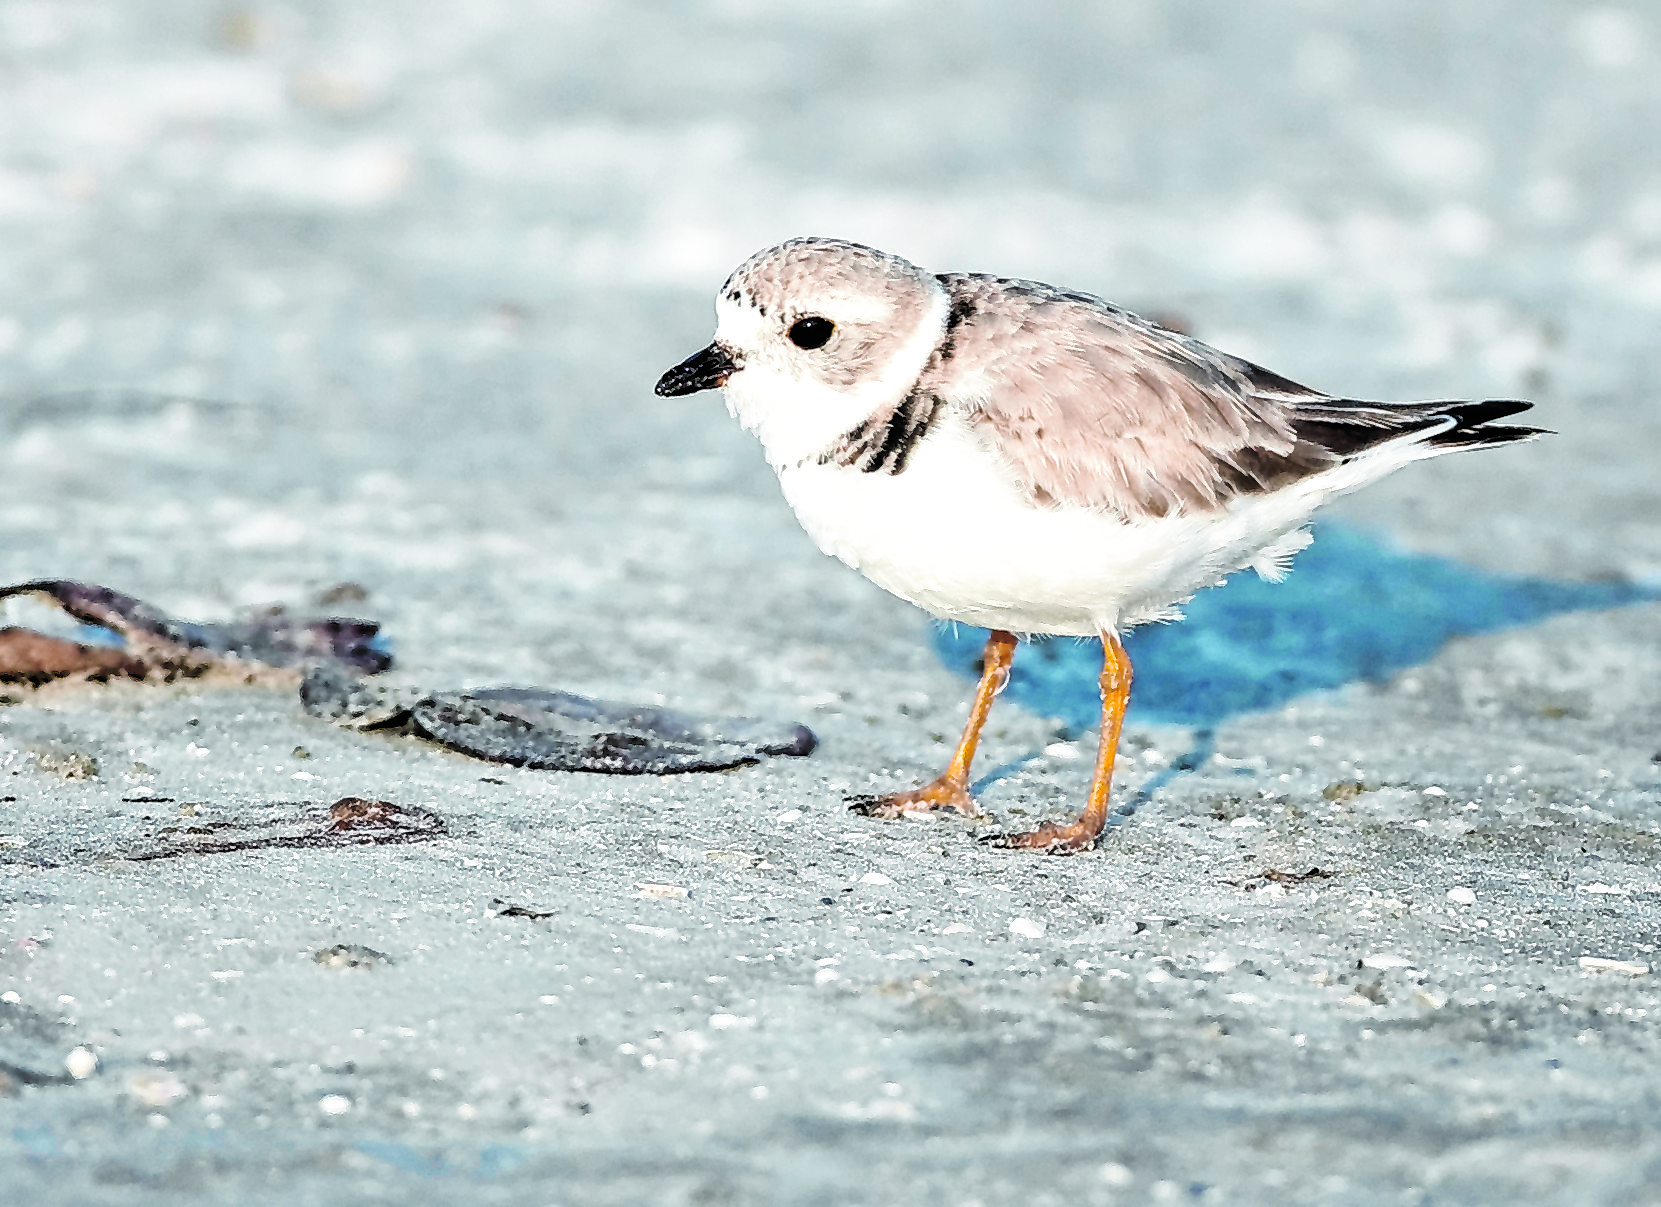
419	265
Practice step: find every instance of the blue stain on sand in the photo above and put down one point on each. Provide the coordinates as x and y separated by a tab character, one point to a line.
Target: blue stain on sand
494	1160
1351	609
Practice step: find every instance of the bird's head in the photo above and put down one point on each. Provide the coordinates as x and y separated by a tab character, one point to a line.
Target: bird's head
812	337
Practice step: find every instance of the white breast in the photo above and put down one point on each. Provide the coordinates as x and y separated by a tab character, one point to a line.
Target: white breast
954	535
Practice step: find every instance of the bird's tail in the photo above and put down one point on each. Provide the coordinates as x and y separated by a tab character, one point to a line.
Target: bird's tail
1473	424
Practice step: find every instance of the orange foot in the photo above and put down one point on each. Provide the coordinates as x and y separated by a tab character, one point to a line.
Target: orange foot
1052	839
941	796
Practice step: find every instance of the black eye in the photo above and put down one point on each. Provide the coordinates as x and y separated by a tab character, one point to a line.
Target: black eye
811	332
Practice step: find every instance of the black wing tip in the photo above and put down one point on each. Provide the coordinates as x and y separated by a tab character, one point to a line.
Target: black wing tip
1483	437
1472	424
1474	414
1347	428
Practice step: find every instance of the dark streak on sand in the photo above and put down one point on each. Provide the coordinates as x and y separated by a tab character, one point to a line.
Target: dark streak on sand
351	821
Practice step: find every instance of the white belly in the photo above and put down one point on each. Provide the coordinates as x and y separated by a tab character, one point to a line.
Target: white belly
954	535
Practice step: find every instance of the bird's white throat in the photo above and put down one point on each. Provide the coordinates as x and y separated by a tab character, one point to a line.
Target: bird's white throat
796	417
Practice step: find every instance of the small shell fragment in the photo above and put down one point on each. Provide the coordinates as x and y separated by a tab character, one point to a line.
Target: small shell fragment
156	1089
669	892
734	859
1600	964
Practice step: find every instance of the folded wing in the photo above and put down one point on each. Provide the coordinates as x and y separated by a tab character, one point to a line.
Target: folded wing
1092	405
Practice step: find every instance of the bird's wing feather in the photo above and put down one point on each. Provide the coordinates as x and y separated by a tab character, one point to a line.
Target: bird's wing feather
1092	405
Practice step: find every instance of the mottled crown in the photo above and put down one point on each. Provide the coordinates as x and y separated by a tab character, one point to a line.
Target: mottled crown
822	270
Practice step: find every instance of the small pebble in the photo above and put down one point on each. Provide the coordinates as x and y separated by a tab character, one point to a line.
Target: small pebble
1462	896
81	1063
334	1104
1027	928
1115	1174
155	1088
348	955
874	878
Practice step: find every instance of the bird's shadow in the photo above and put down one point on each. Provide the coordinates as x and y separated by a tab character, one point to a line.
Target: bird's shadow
1200	748
1354	608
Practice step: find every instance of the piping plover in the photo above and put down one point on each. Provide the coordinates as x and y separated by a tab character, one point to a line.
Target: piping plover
1034	460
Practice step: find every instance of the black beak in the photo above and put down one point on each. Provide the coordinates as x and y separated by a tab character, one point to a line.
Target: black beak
707	370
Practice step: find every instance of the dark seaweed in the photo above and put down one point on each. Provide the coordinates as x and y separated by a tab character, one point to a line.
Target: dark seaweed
553	730
159	641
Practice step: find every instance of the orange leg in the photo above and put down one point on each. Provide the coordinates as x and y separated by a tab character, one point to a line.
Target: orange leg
951	790
1081	835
